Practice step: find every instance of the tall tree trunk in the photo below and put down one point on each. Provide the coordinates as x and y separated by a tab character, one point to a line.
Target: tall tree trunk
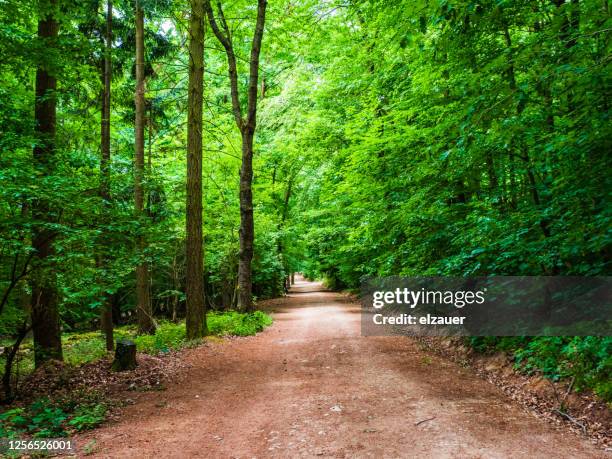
247	227
494	190
194	287
106	315
246	124
143	298
45	298
280	227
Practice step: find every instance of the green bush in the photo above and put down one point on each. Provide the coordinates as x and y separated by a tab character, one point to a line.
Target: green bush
45	418
586	359
12	422
88	417
237	324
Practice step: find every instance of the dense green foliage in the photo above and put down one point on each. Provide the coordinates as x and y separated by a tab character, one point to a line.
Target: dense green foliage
409	137
44	418
82	230
460	138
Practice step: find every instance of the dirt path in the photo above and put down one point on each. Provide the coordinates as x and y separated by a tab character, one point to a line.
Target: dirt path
311	386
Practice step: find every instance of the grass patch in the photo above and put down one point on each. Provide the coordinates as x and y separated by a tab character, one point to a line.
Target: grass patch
237	324
171	336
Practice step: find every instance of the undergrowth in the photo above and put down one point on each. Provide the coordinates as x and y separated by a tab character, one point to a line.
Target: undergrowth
84	347
171	336
50	418
586	359
46	418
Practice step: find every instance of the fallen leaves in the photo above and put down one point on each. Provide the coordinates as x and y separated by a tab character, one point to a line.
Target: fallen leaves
56	378
585	414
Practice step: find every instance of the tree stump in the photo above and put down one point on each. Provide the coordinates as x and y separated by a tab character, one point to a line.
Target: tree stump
125	355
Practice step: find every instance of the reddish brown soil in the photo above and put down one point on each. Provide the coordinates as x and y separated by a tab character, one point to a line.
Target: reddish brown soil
311	386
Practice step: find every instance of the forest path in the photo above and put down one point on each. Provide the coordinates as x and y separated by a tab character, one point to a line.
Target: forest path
311	386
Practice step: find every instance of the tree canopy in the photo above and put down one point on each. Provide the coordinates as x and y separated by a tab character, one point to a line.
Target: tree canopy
408	137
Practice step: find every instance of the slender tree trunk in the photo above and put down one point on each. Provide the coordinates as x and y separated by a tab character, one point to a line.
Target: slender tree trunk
194	287
246	124
150	145
510	75
106	315
280	226
247	227
45	298
493	181
11	353
143	298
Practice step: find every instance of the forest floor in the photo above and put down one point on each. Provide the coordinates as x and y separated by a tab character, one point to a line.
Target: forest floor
312	386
